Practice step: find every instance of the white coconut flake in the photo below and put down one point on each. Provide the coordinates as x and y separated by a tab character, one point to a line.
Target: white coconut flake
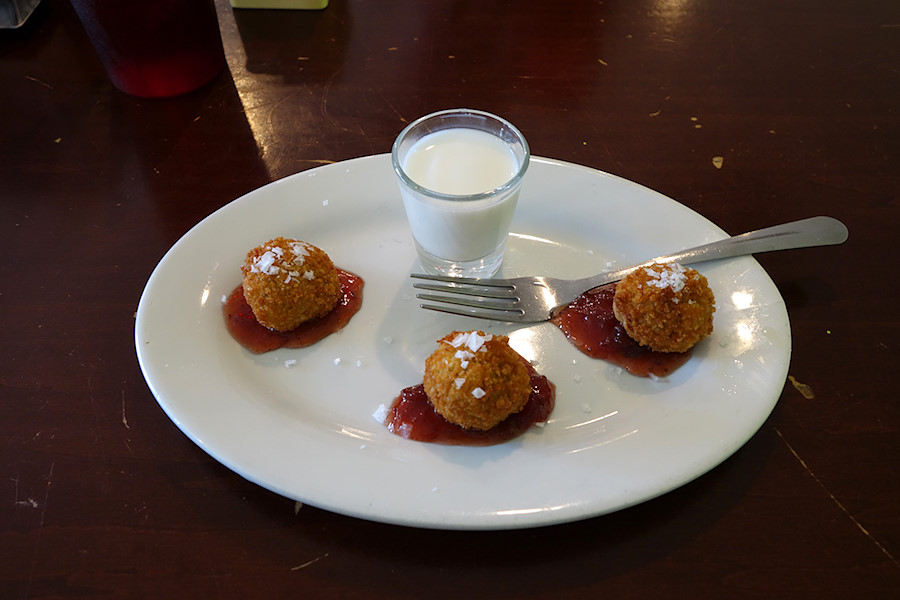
458	340
471	340
479	393
381	413
337	361
300	250
459	381
265	264
290	363
476	341
464	357
309	275
673	277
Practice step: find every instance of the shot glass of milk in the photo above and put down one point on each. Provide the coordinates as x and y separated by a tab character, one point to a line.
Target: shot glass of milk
460	171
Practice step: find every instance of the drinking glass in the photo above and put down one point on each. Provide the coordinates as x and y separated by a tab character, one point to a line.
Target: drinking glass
155	48
460	172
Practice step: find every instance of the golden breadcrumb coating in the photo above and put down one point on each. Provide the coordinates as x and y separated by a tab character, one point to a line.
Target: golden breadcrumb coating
476	380
665	307
287	282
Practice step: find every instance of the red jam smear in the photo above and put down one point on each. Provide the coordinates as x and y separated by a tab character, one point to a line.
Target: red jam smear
258	338
413	417
591	326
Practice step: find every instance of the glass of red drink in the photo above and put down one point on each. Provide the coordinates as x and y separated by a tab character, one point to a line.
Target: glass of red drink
155	48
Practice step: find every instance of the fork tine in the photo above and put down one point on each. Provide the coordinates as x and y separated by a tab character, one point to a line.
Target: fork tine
505	316
467	291
501	283
494	304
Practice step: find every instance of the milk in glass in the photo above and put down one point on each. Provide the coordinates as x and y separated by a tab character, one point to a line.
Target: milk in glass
467	163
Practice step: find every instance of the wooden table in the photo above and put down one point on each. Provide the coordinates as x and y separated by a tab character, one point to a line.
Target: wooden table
101	495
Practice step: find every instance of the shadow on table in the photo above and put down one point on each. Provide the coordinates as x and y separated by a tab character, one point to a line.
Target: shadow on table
298	46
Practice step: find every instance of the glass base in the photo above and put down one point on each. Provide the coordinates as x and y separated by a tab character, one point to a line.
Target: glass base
483	267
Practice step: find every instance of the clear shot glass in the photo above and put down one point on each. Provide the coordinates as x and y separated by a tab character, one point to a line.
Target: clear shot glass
459	173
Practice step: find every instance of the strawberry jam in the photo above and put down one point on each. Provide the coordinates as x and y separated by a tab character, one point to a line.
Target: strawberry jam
589	323
258	338
413	417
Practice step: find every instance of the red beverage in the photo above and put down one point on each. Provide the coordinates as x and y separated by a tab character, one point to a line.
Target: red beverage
155	48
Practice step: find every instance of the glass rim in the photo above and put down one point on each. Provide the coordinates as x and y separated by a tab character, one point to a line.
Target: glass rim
510	184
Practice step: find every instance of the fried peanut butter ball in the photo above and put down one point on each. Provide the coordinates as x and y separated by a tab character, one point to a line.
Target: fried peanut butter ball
665	307
476	380
288	282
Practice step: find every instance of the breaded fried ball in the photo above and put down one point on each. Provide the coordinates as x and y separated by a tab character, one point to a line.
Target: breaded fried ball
288	282
665	307
476	380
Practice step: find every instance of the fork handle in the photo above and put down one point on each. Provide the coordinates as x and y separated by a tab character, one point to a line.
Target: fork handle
815	231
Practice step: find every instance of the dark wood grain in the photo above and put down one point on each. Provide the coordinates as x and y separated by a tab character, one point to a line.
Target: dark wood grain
102	496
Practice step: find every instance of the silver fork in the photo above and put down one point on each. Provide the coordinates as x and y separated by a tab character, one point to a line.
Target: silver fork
535	299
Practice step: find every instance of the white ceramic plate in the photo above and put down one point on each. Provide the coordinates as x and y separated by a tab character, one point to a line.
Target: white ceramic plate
305	430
